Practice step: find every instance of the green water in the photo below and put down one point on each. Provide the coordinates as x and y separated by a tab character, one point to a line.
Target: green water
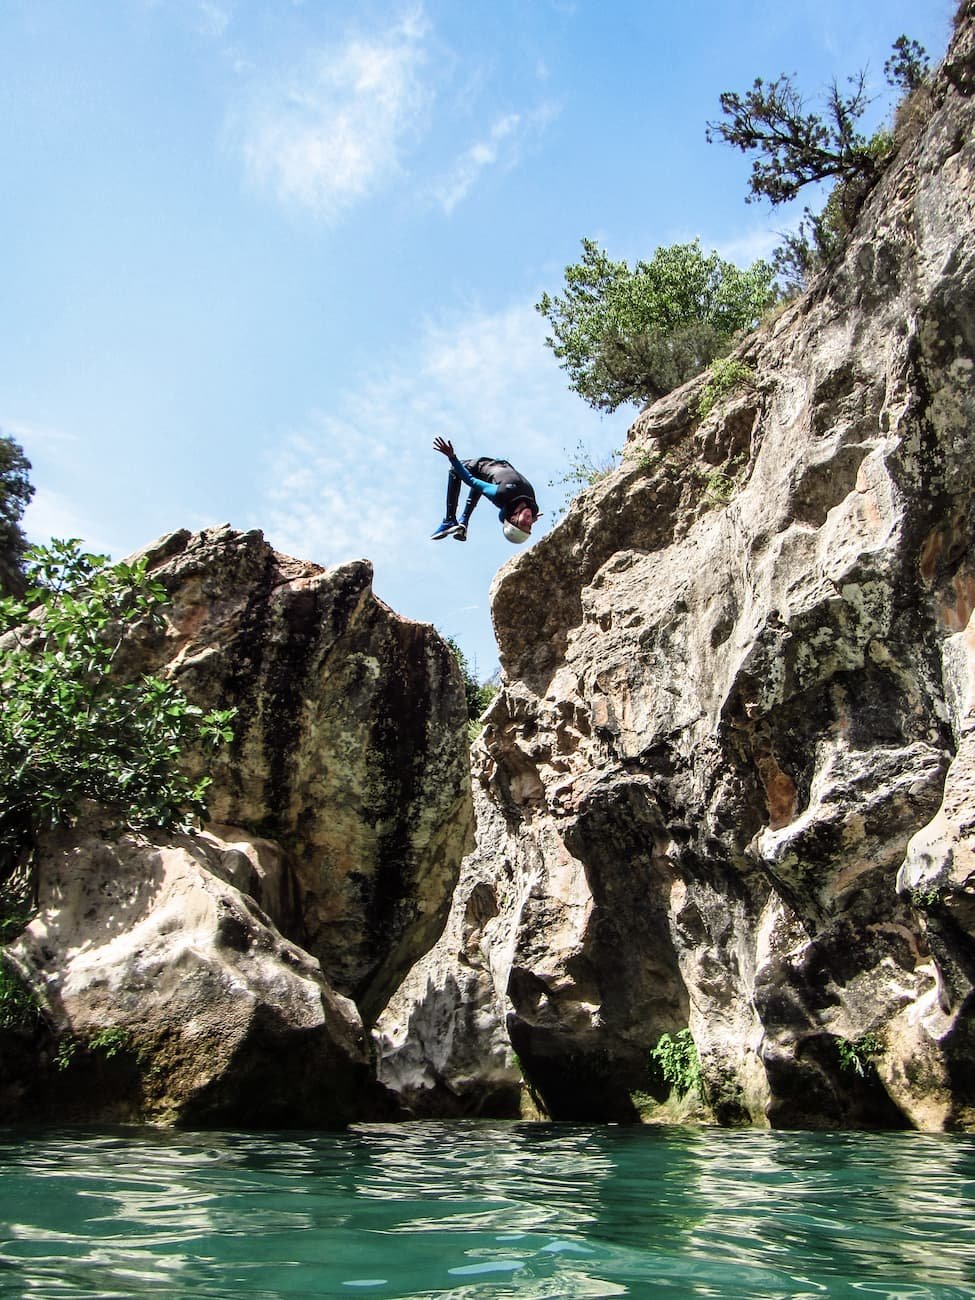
486	1209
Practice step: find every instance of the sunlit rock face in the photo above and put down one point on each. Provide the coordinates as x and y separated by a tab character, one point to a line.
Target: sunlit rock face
727	783
168	995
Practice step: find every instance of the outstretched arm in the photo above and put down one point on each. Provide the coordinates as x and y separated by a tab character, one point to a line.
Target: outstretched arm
446	448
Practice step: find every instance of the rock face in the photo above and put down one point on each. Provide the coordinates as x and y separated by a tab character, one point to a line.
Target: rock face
237	972
727	783
350	750
173	998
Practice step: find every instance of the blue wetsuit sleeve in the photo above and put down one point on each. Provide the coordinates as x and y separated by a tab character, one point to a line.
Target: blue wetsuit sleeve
490	490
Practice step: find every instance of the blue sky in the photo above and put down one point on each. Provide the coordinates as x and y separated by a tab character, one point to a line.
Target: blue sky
258	253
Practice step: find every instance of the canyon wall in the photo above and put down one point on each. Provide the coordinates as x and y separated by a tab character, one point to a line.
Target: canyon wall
726	783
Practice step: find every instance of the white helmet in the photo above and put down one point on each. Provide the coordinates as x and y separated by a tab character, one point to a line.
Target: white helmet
513	534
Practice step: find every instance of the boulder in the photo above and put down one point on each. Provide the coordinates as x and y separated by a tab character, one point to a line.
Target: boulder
167	995
230	976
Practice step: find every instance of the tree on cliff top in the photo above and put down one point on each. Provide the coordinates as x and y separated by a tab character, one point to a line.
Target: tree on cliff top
795	148
632	335
15	494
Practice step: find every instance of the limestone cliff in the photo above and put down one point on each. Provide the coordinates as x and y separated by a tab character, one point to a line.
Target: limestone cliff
235	973
726	784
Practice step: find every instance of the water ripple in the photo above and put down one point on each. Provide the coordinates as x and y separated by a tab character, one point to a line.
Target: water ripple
537	1211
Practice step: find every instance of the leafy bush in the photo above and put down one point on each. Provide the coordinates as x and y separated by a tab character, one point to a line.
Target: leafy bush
855	1055
478	694
633	335
727	374
17	1006
677	1059
70	729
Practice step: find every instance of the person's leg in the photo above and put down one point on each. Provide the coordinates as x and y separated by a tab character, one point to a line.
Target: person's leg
449	524
460	532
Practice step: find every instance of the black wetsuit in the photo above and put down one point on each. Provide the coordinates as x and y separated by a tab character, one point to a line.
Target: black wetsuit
497	480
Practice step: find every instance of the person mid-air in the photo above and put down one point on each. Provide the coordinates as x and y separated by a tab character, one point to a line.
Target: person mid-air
496	479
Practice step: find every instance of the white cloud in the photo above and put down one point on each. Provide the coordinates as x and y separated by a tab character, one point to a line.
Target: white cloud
362	480
27	433
50	514
334	131
502	145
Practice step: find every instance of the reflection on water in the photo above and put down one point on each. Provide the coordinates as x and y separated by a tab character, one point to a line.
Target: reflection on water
488	1210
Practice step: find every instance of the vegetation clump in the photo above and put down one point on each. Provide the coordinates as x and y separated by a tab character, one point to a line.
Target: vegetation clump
584	470
855	1055
15	494
478	694
18	1007
795	148
677	1059
726	375
71	728
627	335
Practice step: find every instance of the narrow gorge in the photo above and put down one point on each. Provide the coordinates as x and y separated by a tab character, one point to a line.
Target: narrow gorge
727	784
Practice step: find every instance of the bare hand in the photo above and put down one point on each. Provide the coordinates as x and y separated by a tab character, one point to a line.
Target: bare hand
443	446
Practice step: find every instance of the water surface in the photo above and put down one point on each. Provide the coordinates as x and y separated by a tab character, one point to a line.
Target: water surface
470	1209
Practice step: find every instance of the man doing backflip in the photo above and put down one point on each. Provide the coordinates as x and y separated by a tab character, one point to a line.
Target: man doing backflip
499	482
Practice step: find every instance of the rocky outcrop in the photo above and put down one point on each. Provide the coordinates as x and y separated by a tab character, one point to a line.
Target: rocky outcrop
168	995
236	972
726	784
350	749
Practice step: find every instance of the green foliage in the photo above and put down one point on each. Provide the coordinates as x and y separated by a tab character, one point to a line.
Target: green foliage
855	1055
908	66
627	335
727	374
110	1041
925	898
15	494
719	486
17	1006
677	1059
478	694
67	1051
795	148
584	469
70	729
107	1043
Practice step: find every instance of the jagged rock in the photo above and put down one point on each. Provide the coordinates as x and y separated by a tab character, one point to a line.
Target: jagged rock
729	705
350	749
169	996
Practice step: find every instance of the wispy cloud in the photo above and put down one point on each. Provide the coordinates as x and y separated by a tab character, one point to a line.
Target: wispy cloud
502	145
333	131
361	479
213	16
27	433
51	514
748	247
